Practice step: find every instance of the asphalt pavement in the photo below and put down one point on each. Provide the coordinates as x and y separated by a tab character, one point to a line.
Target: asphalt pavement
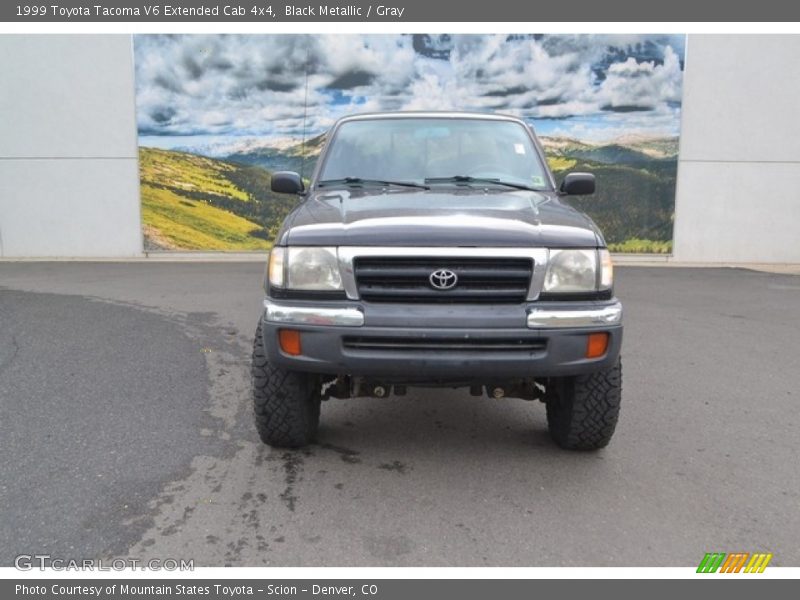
126	431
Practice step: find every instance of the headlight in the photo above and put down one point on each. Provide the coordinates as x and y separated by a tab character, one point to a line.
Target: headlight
305	268
571	271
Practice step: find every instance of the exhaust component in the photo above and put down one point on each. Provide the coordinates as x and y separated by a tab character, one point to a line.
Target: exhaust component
525	389
340	387
362	388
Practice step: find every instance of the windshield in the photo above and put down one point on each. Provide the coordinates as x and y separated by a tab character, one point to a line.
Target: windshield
433	151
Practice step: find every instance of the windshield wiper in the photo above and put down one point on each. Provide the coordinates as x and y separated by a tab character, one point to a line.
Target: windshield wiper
491	180
362	181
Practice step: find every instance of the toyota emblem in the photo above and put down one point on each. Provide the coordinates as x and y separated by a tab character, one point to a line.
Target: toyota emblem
443	279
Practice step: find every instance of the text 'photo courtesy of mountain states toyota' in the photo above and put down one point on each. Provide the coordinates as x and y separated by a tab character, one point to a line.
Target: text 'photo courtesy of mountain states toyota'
435	249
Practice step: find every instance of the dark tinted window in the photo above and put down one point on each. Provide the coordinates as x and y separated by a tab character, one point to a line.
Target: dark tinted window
411	149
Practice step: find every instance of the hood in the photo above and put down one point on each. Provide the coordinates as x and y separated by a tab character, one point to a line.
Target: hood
453	217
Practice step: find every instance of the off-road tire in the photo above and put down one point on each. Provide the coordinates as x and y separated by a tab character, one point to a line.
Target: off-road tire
582	411
286	403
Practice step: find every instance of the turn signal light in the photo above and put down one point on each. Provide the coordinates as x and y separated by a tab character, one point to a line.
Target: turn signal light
289	340
596	345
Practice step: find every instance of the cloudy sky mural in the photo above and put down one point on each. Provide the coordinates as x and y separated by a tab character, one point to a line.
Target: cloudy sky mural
588	87
217	113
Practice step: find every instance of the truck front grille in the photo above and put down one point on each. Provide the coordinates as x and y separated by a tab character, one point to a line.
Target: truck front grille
407	279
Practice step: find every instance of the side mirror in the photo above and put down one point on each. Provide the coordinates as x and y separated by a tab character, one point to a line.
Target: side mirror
578	184
287	182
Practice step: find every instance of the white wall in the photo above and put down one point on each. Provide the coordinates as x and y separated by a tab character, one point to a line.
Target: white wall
68	150
68	168
738	194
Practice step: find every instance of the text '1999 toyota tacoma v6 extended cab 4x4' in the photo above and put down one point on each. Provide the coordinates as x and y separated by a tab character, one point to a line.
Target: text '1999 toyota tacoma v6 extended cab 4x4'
433	249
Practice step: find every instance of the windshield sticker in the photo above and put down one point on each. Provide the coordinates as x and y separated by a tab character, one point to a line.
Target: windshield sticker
538	181
519	148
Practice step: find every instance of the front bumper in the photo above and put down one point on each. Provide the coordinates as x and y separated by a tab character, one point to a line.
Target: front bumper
440	343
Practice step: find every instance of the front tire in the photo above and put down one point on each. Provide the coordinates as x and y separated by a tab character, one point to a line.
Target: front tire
582	411
286	403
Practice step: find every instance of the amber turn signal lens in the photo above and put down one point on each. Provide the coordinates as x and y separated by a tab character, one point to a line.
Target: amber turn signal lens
596	345
289	340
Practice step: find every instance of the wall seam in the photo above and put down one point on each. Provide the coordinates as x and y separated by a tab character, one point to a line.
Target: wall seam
139	218
675	211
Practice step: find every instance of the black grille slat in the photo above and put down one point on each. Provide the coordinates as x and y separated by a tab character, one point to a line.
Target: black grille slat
406	279
424	344
462	272
460	292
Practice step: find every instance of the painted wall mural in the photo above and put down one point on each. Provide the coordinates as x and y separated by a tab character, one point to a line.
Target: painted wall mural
217	114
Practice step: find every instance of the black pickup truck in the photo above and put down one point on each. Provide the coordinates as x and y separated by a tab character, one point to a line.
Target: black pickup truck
435	249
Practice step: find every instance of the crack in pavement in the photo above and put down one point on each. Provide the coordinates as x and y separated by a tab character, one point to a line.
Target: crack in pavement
7	363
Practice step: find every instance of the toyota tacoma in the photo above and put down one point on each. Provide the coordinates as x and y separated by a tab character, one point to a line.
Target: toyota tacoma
436	249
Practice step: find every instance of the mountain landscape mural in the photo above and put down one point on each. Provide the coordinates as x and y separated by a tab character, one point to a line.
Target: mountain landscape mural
218	114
